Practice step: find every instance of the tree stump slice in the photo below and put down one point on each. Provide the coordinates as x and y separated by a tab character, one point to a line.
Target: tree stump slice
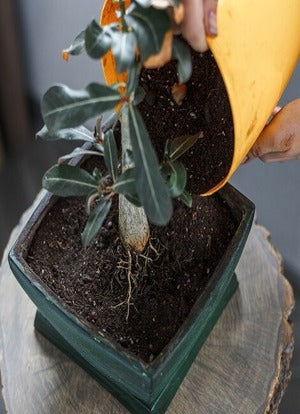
243	367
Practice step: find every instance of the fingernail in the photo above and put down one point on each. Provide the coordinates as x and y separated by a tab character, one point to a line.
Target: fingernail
276	110
212	24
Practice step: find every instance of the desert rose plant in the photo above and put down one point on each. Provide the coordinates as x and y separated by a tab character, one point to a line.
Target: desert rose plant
141	36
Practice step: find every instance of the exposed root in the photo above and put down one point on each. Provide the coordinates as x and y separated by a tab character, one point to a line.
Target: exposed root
129	284
133	268
128	268
153	249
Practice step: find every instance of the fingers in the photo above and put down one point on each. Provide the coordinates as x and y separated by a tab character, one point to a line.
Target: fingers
200	19
280	139
277	157
210	17
276	110
192	27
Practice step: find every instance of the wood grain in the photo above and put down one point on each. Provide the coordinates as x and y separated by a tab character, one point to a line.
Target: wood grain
243	368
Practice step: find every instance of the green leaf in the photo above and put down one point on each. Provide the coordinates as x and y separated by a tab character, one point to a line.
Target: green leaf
186	198
95	221
97	174
127	158
180	145
97	40
71	134
133	199
64	107
111	153
110	122
151	188
125	183
123	47
133	77
118	85
98	147
182	53
77	46
143	3
65	180
78	152
139	95
167	149
177	180
150	26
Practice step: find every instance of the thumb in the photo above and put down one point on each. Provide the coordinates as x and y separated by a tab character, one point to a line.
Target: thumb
210	17
192	26
279	140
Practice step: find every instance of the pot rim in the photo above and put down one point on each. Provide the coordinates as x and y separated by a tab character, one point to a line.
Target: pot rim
242	209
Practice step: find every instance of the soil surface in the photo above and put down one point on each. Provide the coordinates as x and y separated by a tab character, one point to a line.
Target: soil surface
180	259
205	108
166	280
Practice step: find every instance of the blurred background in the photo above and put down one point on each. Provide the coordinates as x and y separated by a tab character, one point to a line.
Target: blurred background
32	34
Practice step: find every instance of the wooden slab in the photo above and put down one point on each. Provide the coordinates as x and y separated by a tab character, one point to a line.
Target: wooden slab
243	368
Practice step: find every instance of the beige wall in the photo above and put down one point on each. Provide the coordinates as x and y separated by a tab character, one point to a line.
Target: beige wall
48	26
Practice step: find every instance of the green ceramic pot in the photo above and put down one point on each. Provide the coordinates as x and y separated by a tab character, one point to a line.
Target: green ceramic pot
141	387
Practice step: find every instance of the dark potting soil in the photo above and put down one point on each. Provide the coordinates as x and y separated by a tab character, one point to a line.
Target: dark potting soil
166	280
205	108
178	263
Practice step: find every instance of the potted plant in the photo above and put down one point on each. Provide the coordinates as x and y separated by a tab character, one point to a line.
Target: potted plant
125	283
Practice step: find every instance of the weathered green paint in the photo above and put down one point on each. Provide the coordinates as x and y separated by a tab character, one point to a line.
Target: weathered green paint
142	388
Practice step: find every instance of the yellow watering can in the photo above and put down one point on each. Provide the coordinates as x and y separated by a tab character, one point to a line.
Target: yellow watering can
257	49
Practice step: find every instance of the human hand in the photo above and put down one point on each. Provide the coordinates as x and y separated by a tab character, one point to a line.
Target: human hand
200	19
280	139
194	19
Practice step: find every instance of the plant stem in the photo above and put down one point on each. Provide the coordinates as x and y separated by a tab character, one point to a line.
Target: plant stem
123	12
133	223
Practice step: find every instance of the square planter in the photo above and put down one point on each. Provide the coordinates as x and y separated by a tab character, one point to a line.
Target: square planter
142	387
